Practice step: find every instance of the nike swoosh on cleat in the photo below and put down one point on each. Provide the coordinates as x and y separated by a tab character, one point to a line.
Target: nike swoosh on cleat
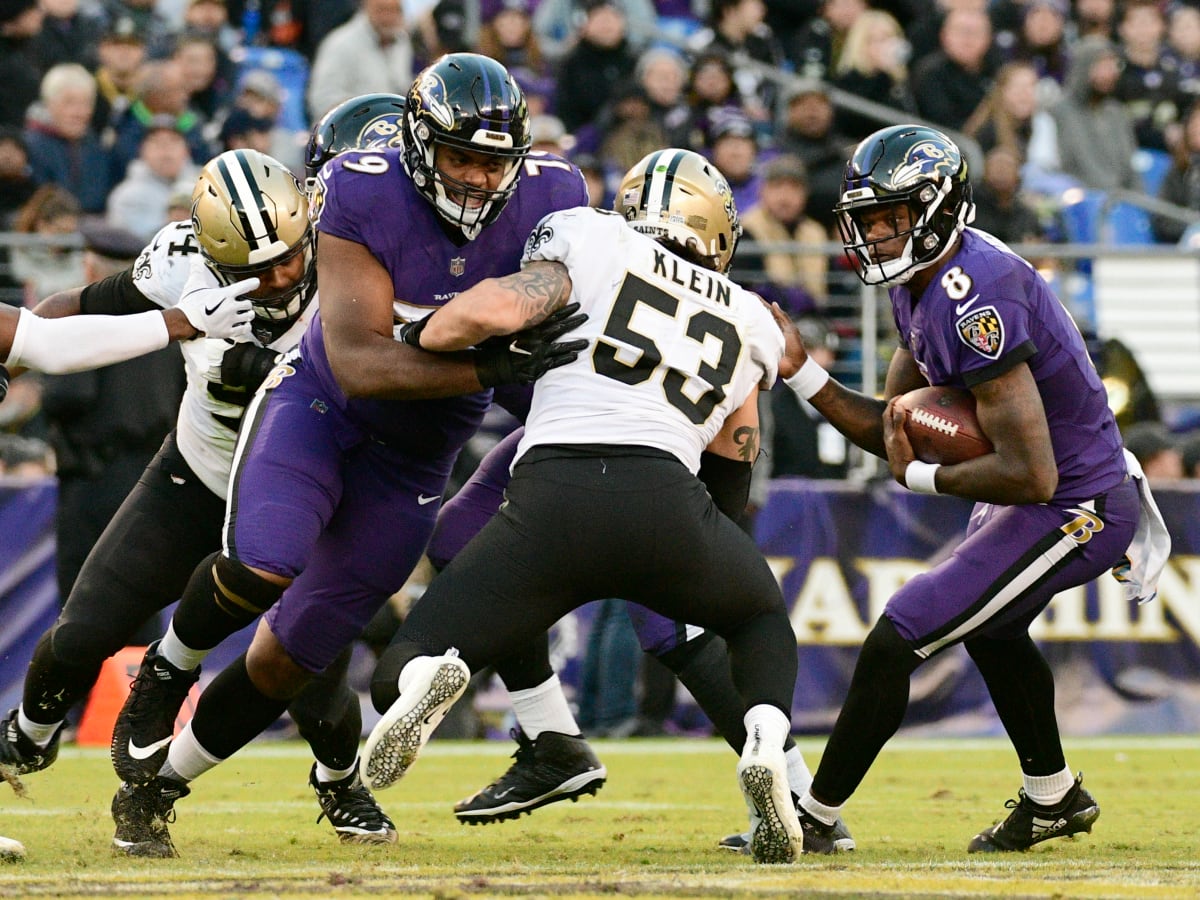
209	311
963	307
504	793
146	752
422	500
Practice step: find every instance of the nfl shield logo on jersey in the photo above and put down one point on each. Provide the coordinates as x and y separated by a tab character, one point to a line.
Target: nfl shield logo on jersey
982	331
458	265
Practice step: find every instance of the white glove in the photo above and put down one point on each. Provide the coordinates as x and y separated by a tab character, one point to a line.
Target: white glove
214	309
215	349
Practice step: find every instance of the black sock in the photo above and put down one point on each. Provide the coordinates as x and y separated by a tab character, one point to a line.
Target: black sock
328	715
232	711
52	686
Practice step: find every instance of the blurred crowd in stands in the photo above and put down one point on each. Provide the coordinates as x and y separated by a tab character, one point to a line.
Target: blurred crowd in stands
109	107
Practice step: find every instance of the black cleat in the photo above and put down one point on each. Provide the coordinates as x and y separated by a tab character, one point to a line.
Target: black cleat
842	840
551	768
1030	824
142	813
818	837
352	810
18	754
146	722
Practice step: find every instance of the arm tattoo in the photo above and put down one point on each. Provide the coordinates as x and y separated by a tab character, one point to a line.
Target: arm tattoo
747	440
540	289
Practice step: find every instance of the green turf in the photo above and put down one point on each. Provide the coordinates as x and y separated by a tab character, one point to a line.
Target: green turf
249	830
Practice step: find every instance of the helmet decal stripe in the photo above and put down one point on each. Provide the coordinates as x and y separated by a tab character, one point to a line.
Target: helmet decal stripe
259	203
644	199
245	200
659	183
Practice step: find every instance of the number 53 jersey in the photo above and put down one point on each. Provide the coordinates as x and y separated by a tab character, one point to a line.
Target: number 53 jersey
674	347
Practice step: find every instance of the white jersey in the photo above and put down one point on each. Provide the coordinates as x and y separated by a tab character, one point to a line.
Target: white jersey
207	426
674	347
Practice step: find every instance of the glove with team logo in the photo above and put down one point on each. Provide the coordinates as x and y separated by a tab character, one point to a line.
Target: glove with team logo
524	357
217	310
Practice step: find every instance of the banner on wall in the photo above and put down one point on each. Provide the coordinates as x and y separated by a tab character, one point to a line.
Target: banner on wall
839	552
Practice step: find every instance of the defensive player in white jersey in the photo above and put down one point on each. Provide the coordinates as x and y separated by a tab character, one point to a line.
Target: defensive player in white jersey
604	500
249	232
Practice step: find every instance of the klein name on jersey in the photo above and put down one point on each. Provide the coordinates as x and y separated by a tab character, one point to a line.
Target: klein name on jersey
698	282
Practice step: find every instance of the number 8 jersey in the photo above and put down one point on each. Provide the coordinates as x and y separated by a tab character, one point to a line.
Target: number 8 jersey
674	347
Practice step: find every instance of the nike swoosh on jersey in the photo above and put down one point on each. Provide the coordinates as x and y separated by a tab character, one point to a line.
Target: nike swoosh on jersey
963	307
146	752
209	312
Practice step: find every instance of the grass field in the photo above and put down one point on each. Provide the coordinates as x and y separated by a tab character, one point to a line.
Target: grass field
249	830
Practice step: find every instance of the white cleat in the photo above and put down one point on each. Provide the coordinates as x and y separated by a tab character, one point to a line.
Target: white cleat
775	835
429	686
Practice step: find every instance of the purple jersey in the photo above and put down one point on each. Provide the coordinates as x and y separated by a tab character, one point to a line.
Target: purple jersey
989	311
364	196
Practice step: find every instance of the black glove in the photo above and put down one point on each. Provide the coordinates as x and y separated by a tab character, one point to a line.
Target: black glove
524	357
246	365
410	332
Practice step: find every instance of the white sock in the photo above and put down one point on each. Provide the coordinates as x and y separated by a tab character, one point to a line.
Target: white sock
37	732
177	653
799	777
326	775
187	760
543	708
1048	790
768	724
827	814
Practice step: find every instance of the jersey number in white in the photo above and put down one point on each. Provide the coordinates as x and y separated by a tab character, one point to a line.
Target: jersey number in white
635	290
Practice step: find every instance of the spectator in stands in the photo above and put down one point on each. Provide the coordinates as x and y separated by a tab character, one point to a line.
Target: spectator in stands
815	51
1189	449
663	74
449	26
179	206
371	52
62	146
951	82
208	91
211	19
1156	449
738	27
806	129
558	23
596	178
710	91
162	99
507	36
795	280
1183	47
1148	83
121	52
627	129
548	135
298	25
802	442
1042	39
734	151
873	65
154	28
1181	185
25	457
999	209
16	175
20	67
260	97
51	212
600	62
163	167
241	129
1096	140
1096	18
69	34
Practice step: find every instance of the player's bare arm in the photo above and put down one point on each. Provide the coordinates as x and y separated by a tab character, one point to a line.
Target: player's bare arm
1021	470
499	306
738	438
356	313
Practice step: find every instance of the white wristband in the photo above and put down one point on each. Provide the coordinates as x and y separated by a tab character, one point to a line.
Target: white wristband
921	477
810	379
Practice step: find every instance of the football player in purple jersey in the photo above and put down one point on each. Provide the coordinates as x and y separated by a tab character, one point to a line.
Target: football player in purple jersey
1056	506
345	451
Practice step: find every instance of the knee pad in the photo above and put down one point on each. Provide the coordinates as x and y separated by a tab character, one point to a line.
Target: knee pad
223	597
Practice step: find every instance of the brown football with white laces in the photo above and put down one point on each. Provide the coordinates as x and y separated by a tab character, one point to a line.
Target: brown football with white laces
941	425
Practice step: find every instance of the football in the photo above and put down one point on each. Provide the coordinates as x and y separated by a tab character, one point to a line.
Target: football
941	425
